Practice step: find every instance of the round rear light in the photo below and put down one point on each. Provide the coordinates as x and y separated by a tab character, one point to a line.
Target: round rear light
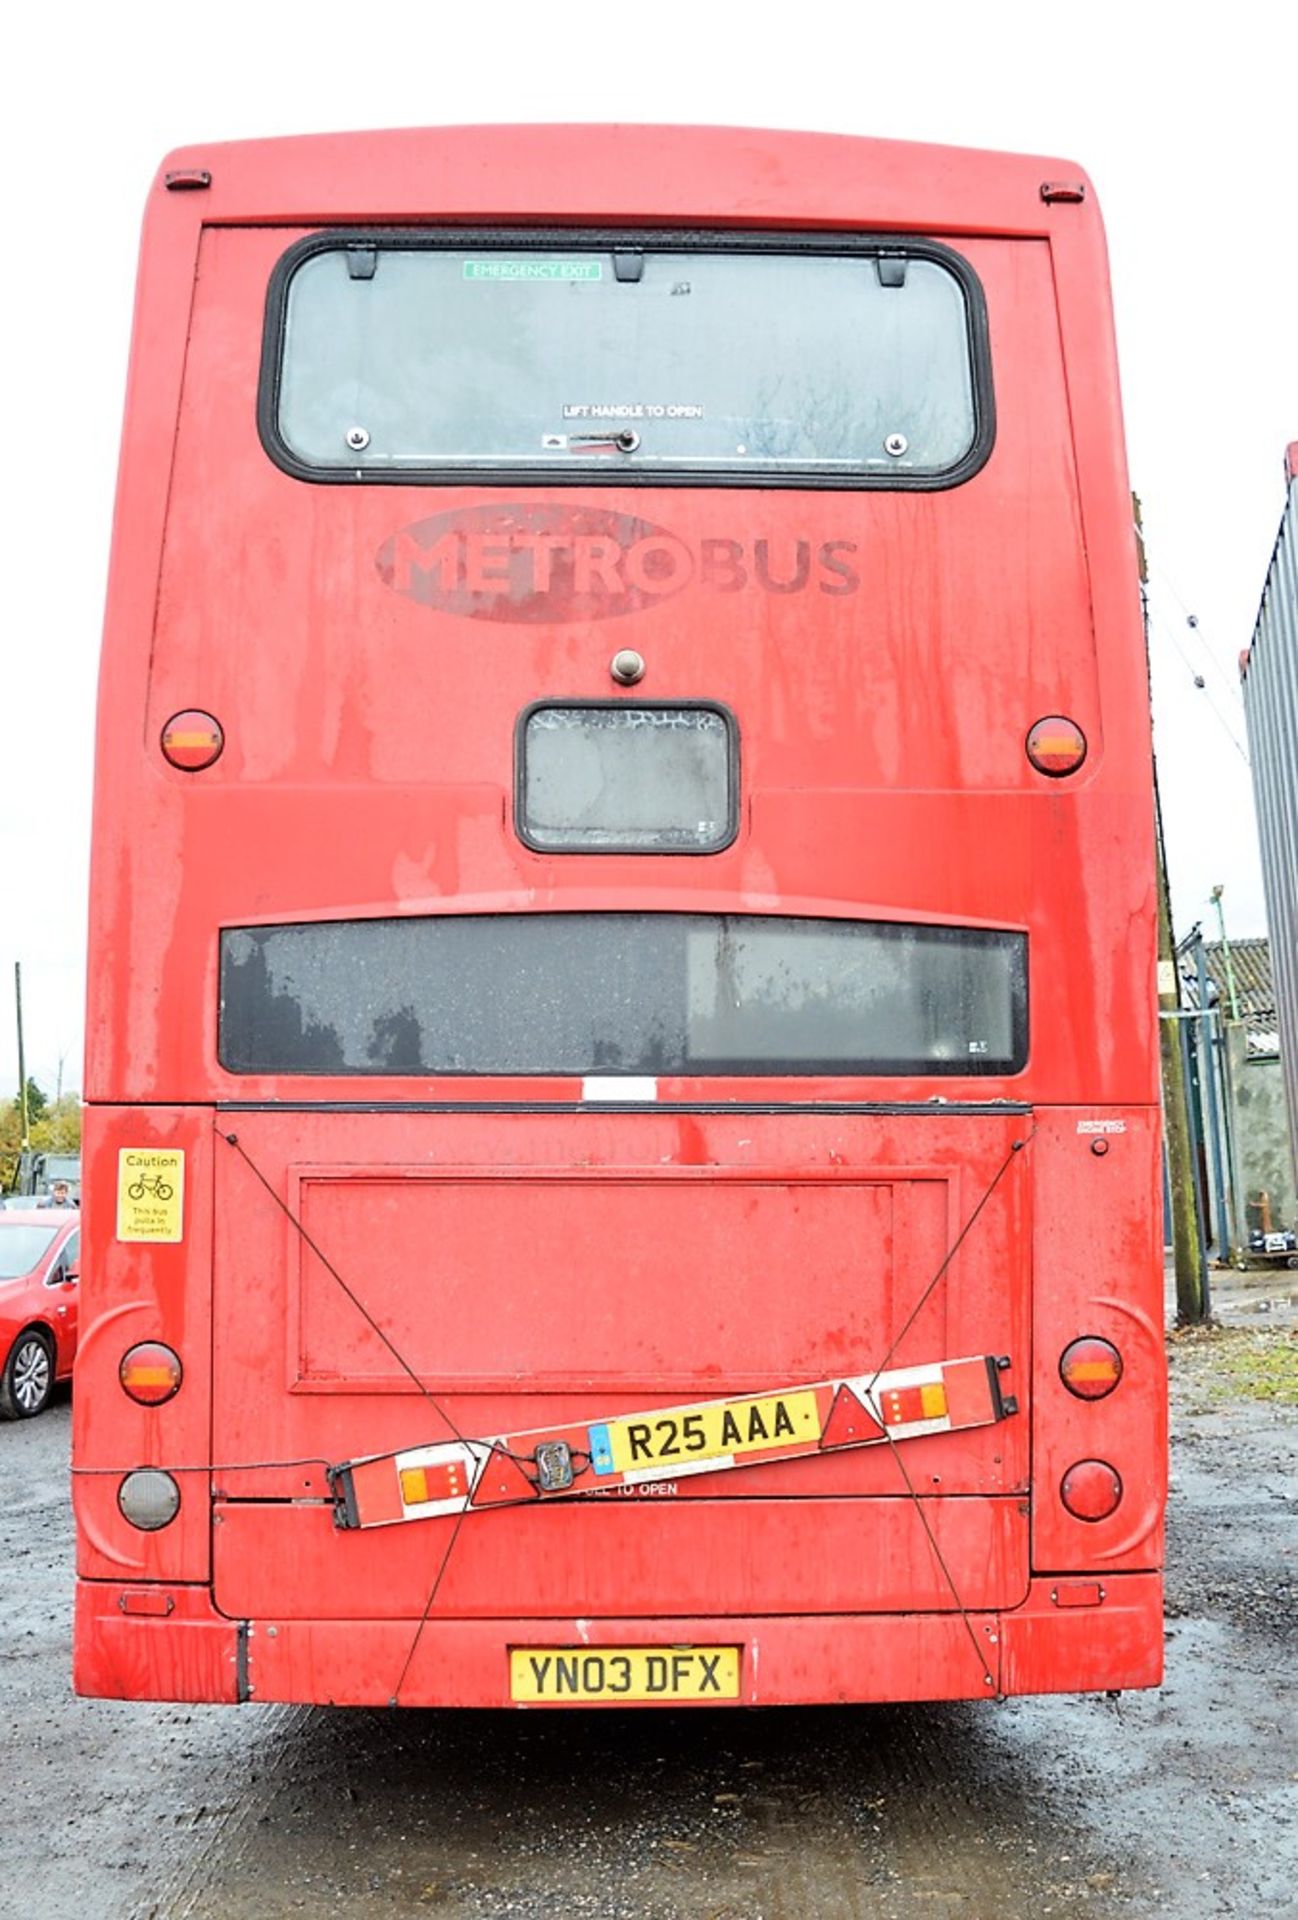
150	1500
1091	1490
150	1373
1090	1368
1056	746
192	740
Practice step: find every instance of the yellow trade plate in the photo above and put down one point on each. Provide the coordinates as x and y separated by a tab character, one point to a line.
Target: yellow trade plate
679	1435
549	1675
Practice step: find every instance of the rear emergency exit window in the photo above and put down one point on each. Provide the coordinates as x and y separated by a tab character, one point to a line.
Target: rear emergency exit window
635	993
605	778
792	358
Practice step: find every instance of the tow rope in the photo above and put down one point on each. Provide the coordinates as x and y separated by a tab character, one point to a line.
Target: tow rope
631	1449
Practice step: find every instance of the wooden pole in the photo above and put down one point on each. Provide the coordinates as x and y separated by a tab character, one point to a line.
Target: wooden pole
22	1059
1187	1238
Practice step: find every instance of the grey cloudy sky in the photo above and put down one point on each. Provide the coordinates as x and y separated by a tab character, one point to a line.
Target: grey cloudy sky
1183	118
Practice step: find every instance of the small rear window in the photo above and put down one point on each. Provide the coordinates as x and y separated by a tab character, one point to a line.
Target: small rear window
626	779
818	359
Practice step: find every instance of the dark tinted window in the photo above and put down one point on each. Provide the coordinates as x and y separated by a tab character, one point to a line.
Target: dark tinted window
600	779
409	353
643	993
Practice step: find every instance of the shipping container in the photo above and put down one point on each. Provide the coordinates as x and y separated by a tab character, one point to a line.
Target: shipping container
1269	672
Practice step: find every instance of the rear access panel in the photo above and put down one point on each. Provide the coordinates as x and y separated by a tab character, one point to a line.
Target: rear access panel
605	1558
392	1280
600	1280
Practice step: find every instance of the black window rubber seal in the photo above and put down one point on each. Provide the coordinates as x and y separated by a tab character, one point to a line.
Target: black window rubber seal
605	240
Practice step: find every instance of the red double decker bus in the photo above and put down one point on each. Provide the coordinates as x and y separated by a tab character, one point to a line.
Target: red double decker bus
621	1155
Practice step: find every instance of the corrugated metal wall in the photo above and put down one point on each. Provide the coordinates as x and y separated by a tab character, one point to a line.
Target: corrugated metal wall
1270	675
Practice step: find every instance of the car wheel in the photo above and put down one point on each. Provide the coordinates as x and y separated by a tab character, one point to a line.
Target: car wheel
28	1378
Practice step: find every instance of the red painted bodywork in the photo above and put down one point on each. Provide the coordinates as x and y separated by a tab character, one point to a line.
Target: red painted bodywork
539	1266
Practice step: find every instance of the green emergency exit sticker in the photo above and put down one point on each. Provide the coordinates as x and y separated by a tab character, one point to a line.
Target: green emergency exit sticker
533	270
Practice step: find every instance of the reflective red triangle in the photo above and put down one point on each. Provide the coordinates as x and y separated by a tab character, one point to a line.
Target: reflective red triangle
502	1480
849	1424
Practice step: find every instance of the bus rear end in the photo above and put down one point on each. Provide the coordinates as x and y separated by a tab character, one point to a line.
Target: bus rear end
621	1157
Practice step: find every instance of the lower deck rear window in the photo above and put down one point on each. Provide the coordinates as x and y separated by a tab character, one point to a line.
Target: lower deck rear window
635	993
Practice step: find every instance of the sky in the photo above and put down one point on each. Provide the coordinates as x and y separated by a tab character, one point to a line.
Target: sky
1183	118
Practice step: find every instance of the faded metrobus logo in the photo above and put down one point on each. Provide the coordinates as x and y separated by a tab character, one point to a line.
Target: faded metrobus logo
533	562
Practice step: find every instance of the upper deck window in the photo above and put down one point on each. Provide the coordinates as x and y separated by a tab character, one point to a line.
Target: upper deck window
760	360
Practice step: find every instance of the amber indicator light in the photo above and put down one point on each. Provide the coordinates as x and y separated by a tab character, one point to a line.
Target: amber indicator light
1090	1368
192	740
1056	746
150	1373
419	1484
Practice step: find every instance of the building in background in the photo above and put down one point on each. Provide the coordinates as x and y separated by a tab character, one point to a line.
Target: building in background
37	1173
1239	1117
1269	672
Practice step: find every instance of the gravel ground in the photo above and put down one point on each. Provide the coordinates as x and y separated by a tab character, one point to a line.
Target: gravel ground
1180	1802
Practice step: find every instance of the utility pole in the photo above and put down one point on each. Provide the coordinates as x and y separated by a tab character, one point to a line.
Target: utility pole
1211	1053
1234	1040
22	1060
1225	951
1187	1237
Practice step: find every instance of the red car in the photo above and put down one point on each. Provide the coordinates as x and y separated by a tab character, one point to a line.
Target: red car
40	1264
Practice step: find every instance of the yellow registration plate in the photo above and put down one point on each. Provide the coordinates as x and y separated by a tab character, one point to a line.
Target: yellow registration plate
681	1436
552	1674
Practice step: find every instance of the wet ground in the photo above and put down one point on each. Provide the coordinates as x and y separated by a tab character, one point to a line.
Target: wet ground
1182	1802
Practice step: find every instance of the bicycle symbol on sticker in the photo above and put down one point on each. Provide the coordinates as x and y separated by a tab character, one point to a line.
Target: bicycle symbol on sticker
150	1194
157	1186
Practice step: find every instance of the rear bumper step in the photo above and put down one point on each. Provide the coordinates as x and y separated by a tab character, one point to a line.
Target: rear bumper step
1043	1646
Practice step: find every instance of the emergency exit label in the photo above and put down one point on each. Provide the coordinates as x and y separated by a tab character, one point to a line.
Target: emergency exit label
533	270
150	1194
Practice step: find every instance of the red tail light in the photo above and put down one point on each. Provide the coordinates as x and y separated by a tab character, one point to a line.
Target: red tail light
1090	1368
1091	1490
150	1373
901	1405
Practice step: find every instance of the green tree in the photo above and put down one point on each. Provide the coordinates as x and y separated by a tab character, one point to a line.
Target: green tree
11	1128
36	1101
55	1127
59	1128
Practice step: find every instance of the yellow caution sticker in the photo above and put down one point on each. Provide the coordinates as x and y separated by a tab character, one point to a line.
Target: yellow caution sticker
150	1194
